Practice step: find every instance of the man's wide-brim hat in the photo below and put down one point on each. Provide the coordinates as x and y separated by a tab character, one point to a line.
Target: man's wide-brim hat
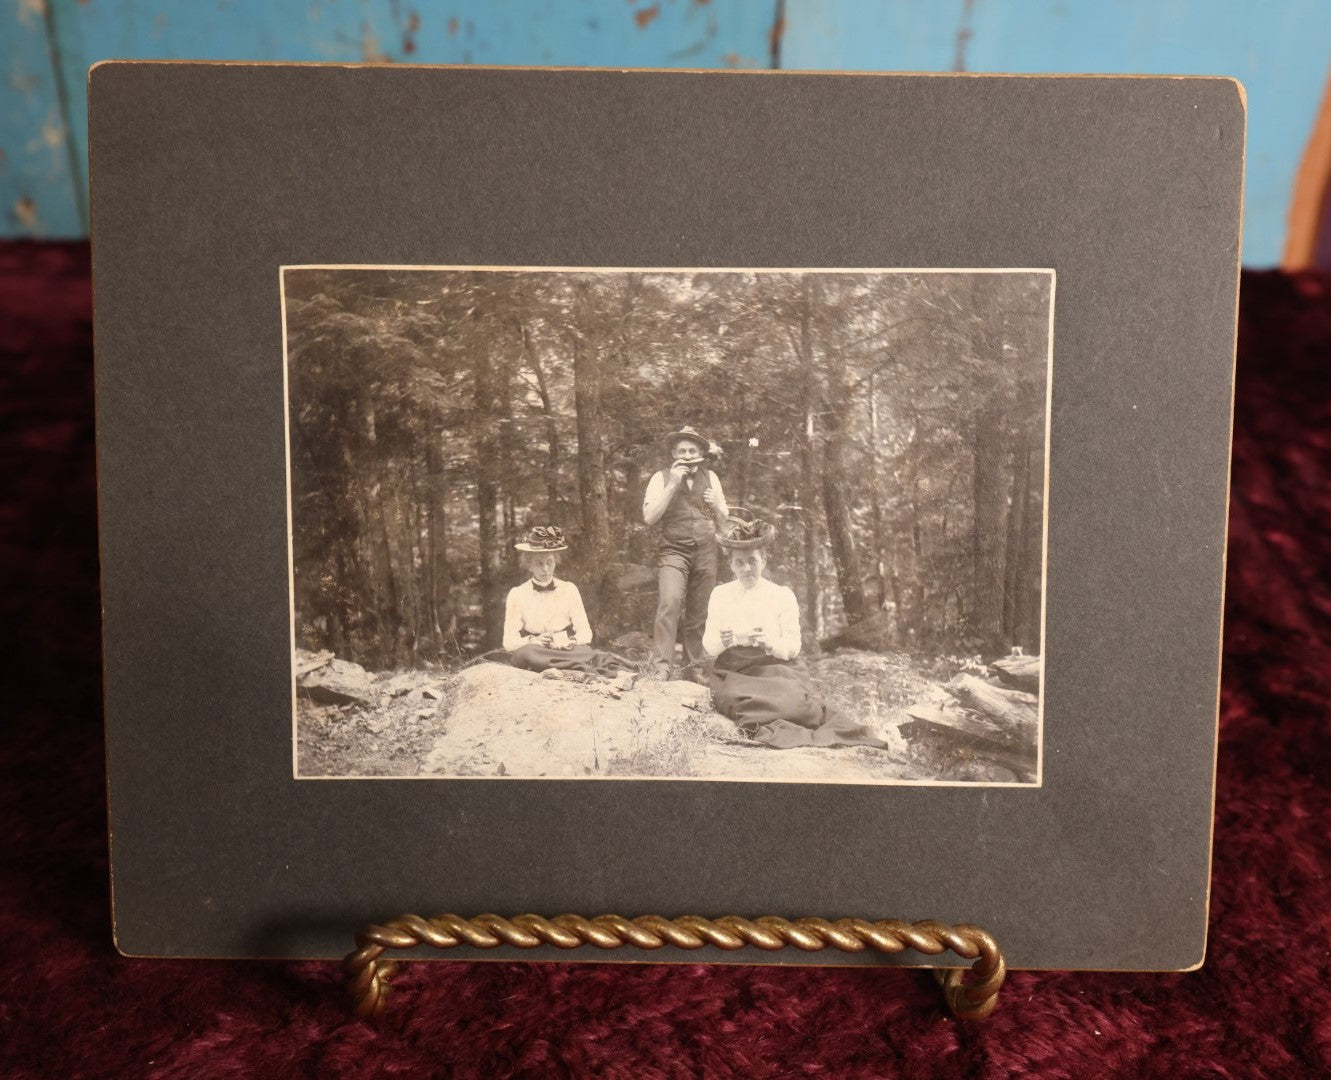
742	534
543	539
704	443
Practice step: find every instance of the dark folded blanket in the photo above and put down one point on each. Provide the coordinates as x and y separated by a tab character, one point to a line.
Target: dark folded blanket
579	658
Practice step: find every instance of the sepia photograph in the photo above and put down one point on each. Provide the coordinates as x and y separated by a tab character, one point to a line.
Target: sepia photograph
676	524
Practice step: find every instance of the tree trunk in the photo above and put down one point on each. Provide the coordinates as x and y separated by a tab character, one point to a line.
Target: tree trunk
487	493
551	431
392	613
1030	580
989	497
339	617
809	489
509	473
840	530
635	536
743	452
591	460
408	519
1014	549
895	595
429	629
386	604
359	603
876	498
436	524
919	592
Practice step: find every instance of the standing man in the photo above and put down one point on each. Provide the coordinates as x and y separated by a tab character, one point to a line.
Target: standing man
687	501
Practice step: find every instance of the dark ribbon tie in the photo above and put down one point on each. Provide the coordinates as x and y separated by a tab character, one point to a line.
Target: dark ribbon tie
543	588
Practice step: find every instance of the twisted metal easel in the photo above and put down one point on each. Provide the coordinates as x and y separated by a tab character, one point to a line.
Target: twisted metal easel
967	1000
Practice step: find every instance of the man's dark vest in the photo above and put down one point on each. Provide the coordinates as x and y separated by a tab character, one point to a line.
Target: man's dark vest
688	517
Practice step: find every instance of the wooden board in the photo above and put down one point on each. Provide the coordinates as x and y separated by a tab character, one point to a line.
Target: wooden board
1278	50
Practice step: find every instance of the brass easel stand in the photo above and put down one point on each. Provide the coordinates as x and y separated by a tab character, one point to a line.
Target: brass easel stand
975	1000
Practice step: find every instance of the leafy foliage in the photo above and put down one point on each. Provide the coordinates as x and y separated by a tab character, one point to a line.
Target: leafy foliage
891	426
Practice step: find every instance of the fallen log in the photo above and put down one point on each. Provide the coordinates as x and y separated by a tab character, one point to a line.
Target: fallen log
953	729
1017	759
952	715
1018	672
1012	709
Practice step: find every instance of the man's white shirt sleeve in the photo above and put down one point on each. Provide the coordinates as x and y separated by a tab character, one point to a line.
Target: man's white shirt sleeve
655	488
722	509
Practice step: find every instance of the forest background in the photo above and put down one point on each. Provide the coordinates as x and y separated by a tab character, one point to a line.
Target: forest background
891	424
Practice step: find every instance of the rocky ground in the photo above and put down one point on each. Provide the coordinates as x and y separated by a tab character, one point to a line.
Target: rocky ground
490	720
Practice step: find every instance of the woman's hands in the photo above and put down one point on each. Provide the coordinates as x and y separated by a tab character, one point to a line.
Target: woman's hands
757	636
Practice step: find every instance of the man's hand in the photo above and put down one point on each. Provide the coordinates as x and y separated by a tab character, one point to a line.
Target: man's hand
679	472
727	638
709	497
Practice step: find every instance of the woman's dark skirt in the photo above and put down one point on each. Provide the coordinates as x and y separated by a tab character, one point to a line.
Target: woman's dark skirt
579	658
772	703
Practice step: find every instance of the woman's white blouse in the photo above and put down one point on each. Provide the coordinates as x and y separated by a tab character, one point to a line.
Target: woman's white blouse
544	613
767	606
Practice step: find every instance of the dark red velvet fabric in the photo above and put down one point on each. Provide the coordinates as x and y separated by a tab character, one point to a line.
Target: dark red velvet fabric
70	1006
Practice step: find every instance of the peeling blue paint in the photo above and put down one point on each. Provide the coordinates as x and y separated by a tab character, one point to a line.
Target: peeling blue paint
1280	50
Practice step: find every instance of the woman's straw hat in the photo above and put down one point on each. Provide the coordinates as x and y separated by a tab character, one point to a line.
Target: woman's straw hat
743	531
543	539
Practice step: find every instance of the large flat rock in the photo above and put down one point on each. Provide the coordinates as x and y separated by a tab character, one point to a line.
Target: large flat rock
508	722
335	682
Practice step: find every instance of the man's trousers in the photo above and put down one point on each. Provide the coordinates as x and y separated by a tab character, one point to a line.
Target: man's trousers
686	575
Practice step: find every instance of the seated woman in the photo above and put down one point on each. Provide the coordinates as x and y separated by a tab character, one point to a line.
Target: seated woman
753	630
545	624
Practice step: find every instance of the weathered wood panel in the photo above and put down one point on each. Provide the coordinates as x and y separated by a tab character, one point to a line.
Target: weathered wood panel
51	43
38	193
1278	49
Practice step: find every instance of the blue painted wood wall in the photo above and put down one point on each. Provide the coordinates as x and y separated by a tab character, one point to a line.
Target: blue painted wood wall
1281	49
